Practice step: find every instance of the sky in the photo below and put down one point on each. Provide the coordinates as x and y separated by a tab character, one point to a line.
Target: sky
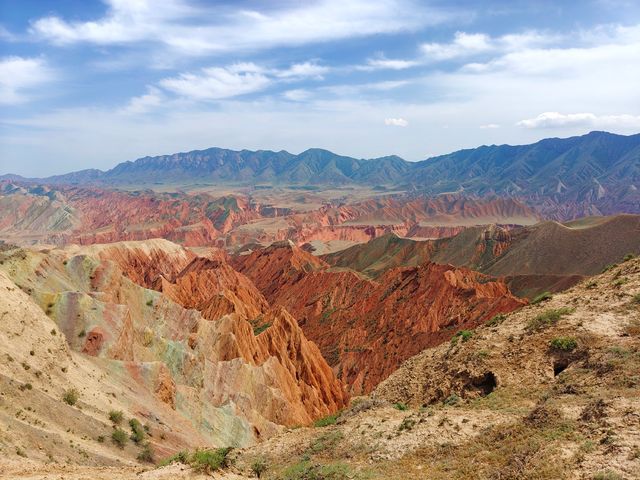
89	84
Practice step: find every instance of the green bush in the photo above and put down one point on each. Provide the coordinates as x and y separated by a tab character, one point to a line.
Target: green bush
306	470
119	437
149	303
628	256
258	467
609	267
547	318
400	406
636	299
566	344
496	320
543	297
406	424
180	457
208	461
451	400
465	335
116	417
137	431
70	397
326	421
146	454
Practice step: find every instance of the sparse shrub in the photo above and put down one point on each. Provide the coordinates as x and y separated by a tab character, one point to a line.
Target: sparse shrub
137	431
20	452
306	470
607	475
407	424
32	353
25	386
149	303
100	439
451	400
116	417
547	318
257	330
325	442
543	297
609	267
636	299
119	437
400	406
180	457
591	284
595	410
620	281
82	333
628	256
146	454
496	320
25	365
326	421
258	467
70	397
207	461
465	335
53	331
565	344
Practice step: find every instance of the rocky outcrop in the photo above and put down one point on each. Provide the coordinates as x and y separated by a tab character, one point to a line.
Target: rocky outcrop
366	328
206	344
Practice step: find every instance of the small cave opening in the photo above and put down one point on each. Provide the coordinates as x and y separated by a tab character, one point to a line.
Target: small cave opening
560	366
485	384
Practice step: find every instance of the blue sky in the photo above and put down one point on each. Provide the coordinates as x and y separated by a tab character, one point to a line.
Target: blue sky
90	84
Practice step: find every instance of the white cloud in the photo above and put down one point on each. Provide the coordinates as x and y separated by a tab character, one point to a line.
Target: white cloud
466	45
302	70
556	119
217	28
297	95
144	103
387	64
216	83
490	126
19	76
396	122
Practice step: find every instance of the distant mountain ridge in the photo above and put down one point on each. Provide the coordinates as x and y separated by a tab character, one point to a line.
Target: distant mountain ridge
593	174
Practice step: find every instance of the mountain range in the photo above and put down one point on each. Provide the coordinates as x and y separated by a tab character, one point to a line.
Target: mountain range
594	174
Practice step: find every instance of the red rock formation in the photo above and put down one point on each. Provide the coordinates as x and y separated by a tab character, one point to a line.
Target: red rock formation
365	328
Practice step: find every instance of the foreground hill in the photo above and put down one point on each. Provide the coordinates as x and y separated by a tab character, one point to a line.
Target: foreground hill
203	370
546	256
593	174
547	392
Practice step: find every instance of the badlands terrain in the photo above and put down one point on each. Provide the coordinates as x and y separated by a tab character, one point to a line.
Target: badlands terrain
227	314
